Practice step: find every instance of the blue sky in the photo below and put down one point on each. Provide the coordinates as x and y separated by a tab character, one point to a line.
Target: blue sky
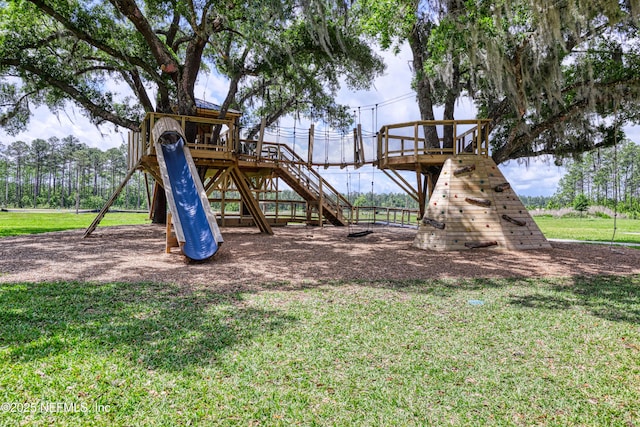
535	177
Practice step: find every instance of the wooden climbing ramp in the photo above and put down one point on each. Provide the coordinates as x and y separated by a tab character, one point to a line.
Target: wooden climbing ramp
473	206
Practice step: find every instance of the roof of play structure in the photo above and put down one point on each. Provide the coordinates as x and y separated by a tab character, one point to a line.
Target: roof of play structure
205	108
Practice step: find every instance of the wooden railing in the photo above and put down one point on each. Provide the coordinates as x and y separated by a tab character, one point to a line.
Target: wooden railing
290	210
408	139
295	211
140	143
404	217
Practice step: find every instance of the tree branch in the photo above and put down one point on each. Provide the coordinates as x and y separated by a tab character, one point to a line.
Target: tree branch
164	58
136	84
78	96
88	38
4	118
174	27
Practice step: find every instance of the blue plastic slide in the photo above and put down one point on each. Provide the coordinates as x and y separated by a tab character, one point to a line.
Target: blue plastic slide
194	222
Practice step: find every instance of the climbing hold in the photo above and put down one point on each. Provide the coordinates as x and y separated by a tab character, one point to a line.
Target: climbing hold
473	245
464	169
500	188
480	202
433	223
514	221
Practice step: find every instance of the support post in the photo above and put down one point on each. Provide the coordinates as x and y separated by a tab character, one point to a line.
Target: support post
112	199
263	124
310	150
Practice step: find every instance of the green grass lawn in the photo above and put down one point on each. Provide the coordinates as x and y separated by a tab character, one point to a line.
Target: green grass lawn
482	352
25	222
591	229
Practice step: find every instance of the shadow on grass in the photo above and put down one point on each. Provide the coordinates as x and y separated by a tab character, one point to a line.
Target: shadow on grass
157	326
436	287
615	298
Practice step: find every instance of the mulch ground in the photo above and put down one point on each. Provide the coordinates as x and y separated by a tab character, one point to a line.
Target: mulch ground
293	256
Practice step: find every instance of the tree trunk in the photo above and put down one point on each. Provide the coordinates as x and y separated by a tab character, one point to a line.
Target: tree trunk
36	185
450	104
159	207
77	190
62	188
6	188
423	86
18	184
138	191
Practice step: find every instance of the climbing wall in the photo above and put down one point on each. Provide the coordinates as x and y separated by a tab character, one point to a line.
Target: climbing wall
473	206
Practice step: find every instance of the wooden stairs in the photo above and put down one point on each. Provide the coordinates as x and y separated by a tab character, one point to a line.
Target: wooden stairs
308	183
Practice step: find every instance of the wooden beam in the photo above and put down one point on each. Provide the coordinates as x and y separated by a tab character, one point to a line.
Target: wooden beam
112	199
240	179
358	147
310	148
402	183
263	124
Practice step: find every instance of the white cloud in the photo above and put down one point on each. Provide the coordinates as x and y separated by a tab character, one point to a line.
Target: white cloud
535	177
633	133
44	125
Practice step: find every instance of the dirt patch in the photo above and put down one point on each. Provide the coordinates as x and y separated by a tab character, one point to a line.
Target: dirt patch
293	256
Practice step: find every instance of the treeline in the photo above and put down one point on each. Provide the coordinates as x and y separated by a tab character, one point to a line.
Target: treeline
535	202
65	173
606	177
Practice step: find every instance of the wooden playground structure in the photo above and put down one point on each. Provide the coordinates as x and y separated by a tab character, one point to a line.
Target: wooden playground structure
244	179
